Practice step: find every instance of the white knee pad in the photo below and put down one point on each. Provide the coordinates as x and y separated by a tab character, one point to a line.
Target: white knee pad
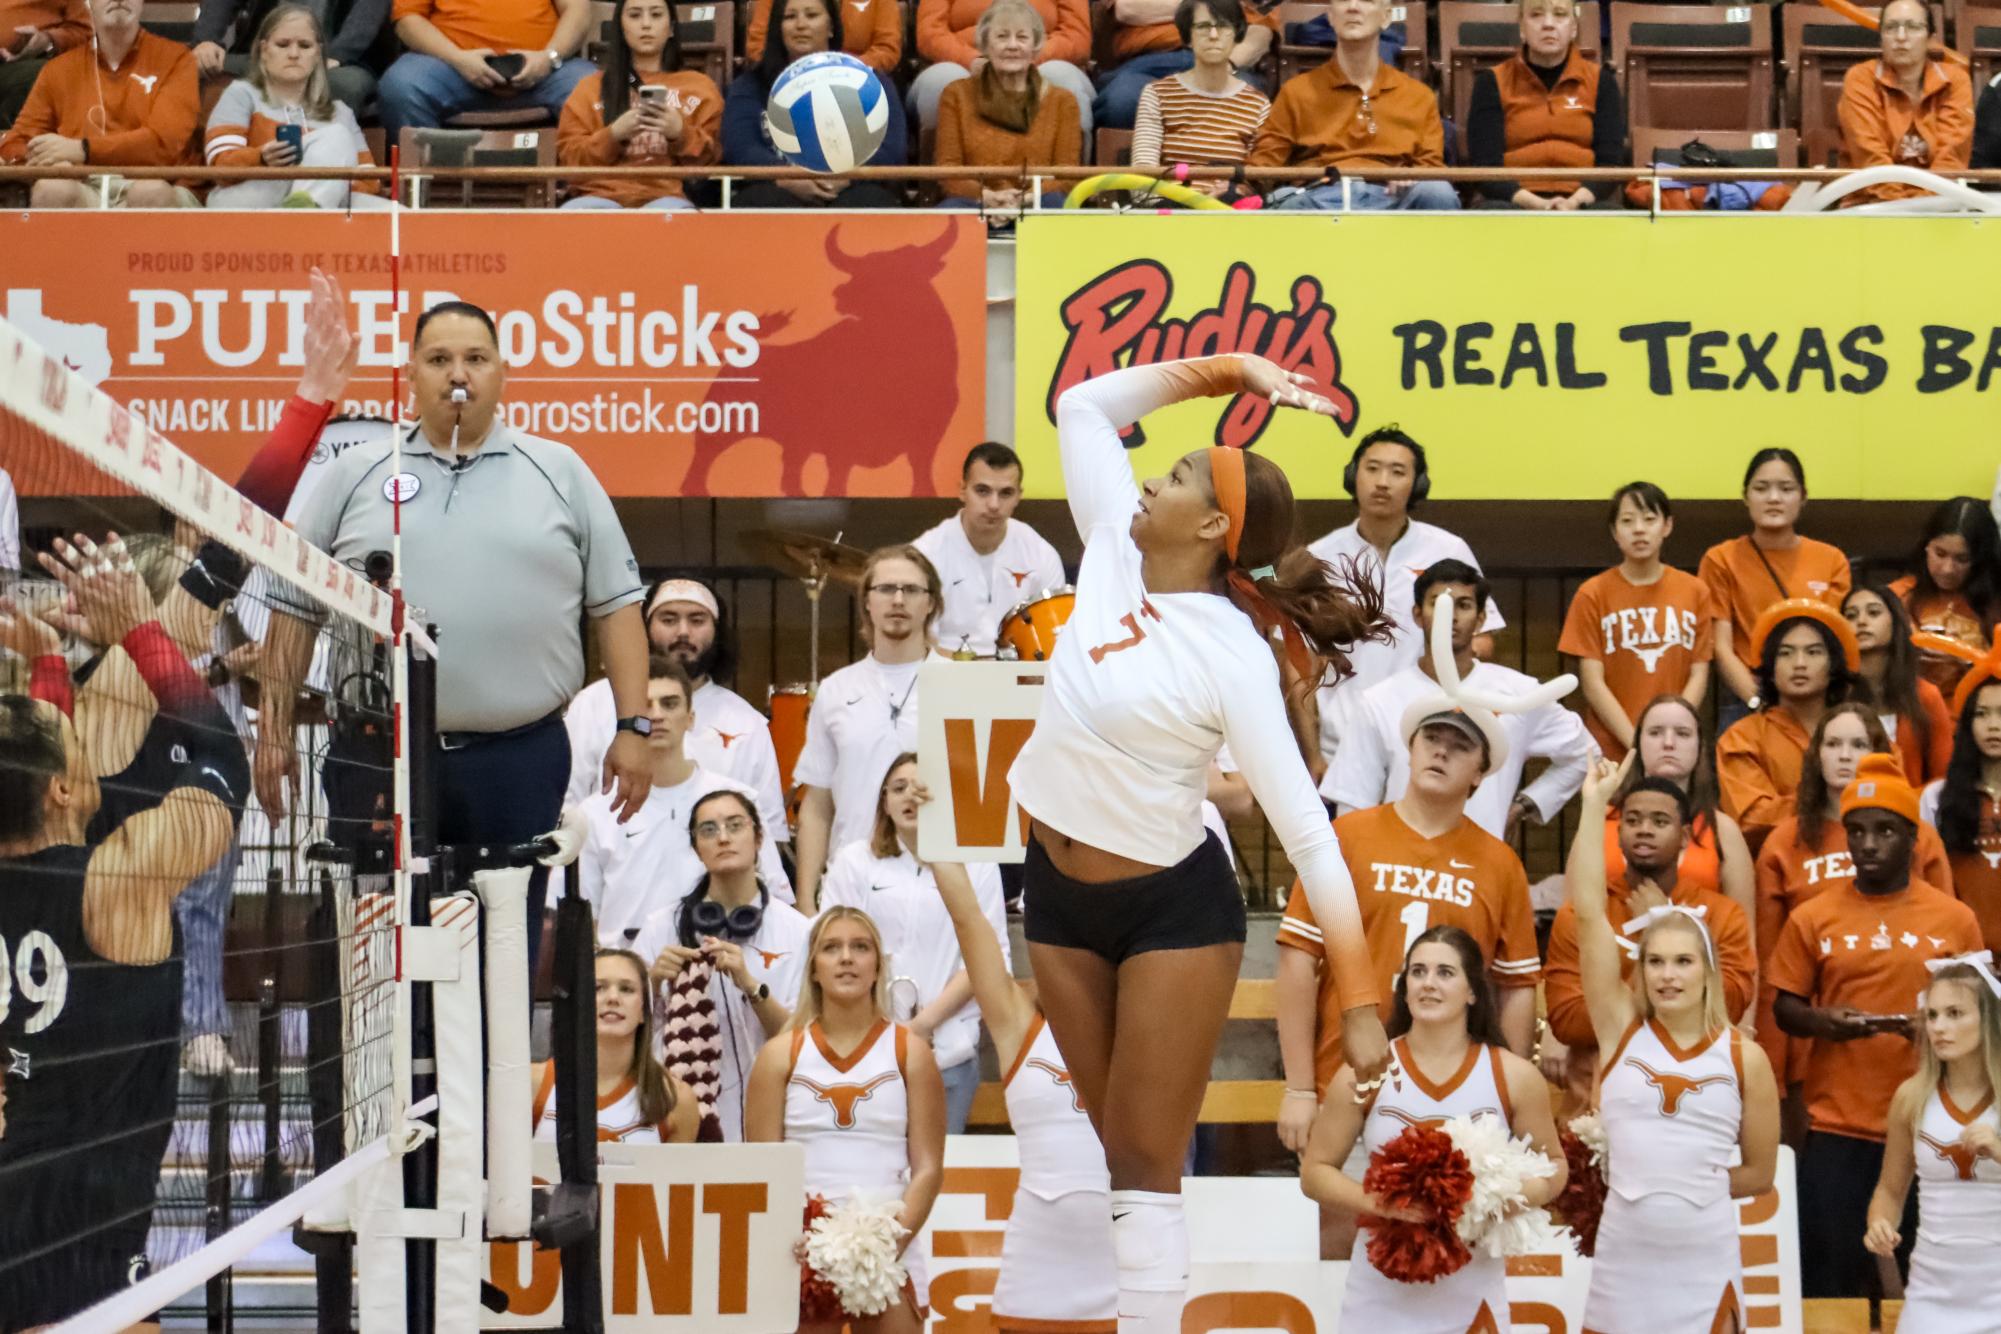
1150	1241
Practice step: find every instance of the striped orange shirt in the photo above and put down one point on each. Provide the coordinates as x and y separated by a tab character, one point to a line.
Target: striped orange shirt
1178	123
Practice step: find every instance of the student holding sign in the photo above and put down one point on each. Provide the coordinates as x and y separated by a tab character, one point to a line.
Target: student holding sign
1135	920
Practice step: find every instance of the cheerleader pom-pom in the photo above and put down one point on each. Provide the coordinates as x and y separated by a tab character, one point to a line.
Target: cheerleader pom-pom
818	1302
1422	1171
855	1247
1498	1218
1582	1203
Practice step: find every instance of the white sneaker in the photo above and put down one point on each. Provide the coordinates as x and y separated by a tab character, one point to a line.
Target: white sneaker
207	1056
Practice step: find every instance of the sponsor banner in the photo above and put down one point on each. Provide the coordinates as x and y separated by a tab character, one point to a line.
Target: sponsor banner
696	1239
659	348
1537	359
976	718
1254	1242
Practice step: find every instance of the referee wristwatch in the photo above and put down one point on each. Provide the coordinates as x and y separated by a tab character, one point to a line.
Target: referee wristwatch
639	723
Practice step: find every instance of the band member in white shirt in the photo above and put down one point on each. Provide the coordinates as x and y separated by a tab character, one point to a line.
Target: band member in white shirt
864	715
687	621
629	870
989	560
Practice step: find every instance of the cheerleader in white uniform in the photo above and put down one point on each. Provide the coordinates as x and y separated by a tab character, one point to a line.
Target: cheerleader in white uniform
638	1101
1945	1129
1681	1093
861	1093
1056	1270
1134	917
1447	1060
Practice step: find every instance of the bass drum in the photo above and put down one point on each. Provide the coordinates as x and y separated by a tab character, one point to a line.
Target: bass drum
789	705
1028	633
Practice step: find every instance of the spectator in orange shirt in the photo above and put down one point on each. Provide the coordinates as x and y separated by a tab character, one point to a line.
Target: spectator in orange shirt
31	33
1807	661
1769	564
1356	111
1905	109
1546	106
948	39
615	118
1653	819
1966	807
1954	588
873	33
1808	853
451	48
1007	115
1913	711
1673	743
1640	629
131	98
1848	968
1150	43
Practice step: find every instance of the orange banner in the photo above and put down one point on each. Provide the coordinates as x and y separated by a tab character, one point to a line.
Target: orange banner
714	354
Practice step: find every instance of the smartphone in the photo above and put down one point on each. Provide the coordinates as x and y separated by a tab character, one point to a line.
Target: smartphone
1890	1023
653	94
293	133
508	66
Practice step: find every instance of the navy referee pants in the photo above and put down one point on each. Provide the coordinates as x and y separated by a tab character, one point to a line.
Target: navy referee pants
506	787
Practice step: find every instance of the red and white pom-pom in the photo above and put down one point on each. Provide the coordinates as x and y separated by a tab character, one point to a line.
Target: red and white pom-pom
855	1247
1423	1171
818	1302
1582	1203
1497	1217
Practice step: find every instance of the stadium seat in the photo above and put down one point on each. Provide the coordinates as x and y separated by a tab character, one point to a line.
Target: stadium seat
1114	148
1694	66
1818	48
1743	148
1477	34
1410	18
172	19
479	148
1977	34
707	33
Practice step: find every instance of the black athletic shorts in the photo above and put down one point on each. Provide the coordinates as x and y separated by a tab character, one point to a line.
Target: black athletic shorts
1193	903
87	1217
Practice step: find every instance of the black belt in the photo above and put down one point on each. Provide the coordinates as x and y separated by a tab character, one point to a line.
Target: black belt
460	740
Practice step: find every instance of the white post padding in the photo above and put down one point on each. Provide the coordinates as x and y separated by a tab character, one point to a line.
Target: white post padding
510	1094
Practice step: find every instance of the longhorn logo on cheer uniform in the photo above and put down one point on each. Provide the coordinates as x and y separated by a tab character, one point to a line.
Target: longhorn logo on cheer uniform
1960	1156
844	1098
1673	1088
1062	1078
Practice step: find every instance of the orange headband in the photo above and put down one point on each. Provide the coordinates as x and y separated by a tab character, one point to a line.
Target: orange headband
1226	478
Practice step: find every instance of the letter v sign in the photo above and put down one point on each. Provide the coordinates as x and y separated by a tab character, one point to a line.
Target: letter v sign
980	800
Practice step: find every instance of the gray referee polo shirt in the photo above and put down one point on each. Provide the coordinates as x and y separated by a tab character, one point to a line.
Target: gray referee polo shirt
502	553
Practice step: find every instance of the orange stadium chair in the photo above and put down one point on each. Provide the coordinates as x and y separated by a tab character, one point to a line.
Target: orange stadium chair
1411	18
1819	46
1977	31
1694	66
1478	34
1114	148
479	148
1743	148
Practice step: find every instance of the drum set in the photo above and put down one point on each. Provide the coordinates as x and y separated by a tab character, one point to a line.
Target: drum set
1028	633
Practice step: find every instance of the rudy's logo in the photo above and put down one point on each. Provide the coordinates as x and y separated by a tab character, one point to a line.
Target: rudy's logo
1673	1088
844	1098
1116	320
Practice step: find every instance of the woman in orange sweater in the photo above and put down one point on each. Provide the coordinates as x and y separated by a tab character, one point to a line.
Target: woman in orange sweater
643	109
1913	711
1807	660
1006	115
948	40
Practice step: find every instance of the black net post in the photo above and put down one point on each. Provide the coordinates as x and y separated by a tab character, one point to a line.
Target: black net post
326	1094
270	1045
216	1199
573	1035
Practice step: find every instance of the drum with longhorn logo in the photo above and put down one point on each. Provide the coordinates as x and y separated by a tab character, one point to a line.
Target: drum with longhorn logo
1028	633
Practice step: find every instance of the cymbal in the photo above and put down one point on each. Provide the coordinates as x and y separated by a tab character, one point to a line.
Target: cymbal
809	556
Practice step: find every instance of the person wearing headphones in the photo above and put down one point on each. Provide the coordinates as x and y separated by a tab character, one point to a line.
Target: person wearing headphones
1388	478
728	957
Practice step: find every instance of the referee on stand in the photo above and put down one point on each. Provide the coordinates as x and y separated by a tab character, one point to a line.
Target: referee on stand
507	540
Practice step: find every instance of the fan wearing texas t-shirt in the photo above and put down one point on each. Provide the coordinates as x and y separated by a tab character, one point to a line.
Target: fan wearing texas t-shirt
1848	969
1418	862
1641	629
1654	819
990	561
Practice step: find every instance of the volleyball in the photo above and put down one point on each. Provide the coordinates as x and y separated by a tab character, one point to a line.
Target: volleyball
827	112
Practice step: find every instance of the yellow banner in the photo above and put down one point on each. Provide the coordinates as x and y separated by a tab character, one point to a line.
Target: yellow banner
1540	358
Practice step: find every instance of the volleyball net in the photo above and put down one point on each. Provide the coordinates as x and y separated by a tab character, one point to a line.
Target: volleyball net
203	1005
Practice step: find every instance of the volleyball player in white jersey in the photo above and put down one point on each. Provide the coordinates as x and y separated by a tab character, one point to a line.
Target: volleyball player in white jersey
1056	1270
1945	1129
638	1101
1680	1092
1134	918
1448	1060
861	1093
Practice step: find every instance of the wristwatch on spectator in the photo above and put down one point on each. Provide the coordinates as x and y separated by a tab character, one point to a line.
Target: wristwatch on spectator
762	993
555	60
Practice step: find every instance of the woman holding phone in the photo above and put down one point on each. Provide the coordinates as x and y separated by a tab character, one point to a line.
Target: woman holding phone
280	114
643	109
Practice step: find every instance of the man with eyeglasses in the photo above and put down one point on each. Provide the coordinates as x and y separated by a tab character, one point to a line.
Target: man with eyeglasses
629	870
1905	109
864	715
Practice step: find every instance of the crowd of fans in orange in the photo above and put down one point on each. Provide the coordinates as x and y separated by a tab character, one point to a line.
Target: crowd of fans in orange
980	83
